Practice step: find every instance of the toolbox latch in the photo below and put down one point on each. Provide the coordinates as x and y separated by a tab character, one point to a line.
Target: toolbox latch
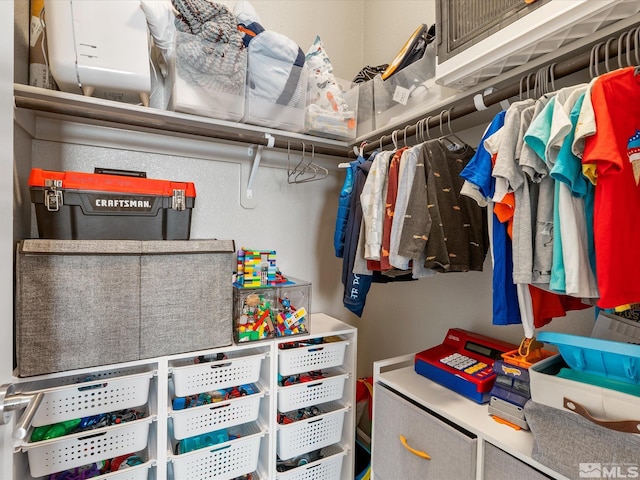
178	202
53	196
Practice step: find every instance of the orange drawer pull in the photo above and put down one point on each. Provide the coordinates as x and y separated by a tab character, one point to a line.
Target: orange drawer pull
418	453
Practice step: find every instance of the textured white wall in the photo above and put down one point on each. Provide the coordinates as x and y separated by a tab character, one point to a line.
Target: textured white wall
338	22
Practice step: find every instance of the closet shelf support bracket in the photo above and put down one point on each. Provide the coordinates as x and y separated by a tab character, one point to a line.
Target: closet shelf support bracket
247	197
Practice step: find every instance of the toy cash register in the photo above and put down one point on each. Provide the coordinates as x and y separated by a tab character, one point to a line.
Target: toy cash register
463	363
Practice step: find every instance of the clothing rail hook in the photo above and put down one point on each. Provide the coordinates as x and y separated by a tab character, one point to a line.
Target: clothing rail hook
394	139
607	53
457	142
621	40
594	60
420	130
637	46
627	53
271	140
552	75
441	120
529	83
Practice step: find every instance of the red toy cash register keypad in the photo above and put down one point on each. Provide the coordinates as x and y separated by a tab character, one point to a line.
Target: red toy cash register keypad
466	364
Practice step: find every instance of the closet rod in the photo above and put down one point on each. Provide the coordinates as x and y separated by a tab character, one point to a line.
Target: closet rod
561	69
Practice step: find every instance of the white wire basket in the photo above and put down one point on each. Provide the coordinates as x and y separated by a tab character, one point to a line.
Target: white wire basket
214	416
216	375
92	398
227	460
71	451
329	467
138	472
312	357
311	434
306	394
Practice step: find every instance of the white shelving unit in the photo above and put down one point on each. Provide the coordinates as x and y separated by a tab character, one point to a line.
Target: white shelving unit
152	386
398	376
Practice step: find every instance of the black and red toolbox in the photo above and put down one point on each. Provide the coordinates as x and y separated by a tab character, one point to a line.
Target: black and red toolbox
110	205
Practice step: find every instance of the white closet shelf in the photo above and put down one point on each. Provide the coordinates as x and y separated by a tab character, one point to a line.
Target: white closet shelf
46	102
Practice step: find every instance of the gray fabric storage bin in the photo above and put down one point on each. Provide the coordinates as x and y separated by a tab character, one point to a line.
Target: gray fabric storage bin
453	453
499	465
577	448
84	303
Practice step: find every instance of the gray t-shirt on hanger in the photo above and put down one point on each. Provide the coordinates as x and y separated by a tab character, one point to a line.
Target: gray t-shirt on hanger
508	168
537	172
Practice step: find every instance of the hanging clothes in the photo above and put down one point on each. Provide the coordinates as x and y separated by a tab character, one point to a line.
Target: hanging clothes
356	286
406	177
344	206
373	193
614	152
448	228
506	310
389	211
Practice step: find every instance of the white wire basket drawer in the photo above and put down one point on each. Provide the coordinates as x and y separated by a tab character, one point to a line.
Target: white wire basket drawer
328	467
311	393
214	416
311	434
71	451
139	472
92	398
216	375
227	460
312	357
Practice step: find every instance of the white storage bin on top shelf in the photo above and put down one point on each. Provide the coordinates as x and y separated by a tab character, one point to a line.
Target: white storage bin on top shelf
332	112
366	117
404	90
205	87
311	357
189	379
271	103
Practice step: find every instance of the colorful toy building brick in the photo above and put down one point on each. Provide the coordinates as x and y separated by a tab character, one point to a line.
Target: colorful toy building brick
256	268
255	316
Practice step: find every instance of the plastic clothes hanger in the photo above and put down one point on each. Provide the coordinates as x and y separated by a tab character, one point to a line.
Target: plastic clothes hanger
455	143
594	59
607	46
